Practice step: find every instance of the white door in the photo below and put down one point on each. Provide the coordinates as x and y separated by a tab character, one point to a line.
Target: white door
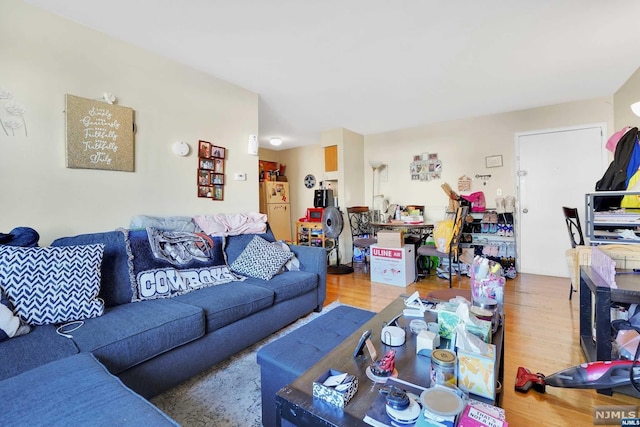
554	168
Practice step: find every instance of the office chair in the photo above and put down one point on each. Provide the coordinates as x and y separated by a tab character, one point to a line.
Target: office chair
361	233
572	220
452	254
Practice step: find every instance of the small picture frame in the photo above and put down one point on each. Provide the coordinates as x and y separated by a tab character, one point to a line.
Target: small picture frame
217	179
218	165
218	152
204	177
206	164
204	149
218	192
493	161
205	191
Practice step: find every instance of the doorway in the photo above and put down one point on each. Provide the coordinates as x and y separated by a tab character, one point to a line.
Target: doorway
554	168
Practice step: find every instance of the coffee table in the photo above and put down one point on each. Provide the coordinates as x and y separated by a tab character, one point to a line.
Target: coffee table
296	404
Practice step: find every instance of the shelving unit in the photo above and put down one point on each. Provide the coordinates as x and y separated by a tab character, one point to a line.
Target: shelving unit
311	234
602	227
506	245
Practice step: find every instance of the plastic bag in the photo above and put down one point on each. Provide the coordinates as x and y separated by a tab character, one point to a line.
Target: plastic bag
442	235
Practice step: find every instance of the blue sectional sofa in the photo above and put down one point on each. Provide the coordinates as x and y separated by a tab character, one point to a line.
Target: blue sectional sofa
151	346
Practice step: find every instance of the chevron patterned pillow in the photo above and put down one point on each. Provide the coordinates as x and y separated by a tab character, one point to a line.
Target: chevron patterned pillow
260	259
52	284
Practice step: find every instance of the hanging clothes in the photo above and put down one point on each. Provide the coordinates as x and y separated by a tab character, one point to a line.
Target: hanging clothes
615	138
633	181
615	177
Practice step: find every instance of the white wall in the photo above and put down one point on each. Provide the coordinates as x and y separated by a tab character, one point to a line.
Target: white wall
462	146
44	57
629	93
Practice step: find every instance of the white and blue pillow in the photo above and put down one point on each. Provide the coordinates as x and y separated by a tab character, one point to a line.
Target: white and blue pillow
261	259
53	284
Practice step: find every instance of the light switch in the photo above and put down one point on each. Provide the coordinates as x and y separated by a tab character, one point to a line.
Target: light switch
240	176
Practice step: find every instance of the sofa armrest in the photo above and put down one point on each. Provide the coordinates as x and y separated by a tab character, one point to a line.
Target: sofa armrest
314	259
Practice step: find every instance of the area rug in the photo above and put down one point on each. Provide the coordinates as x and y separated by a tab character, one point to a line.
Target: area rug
228	394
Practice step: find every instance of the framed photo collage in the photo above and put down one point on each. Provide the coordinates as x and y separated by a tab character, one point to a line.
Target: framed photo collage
211	170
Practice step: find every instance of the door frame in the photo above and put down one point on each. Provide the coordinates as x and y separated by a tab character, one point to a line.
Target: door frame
605	159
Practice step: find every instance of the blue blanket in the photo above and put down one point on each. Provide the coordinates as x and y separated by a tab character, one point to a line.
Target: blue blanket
164	264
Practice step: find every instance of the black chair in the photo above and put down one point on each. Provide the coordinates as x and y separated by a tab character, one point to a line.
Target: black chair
452	255
361	233
576	237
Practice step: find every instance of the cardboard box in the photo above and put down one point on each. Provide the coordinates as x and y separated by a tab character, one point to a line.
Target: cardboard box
476	372
390	239
393	266
330	394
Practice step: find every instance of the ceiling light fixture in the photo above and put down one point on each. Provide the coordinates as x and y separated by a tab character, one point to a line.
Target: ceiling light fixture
275	141
635	107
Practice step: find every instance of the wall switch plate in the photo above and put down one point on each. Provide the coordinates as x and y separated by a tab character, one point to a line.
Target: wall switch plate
240	176
499	192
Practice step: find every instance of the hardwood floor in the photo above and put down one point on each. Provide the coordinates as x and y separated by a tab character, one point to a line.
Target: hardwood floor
541	334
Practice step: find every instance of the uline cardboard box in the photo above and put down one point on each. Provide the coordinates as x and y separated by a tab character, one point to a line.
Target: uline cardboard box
393	266
390	239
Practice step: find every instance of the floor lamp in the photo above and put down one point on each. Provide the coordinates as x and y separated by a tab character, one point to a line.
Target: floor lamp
375	164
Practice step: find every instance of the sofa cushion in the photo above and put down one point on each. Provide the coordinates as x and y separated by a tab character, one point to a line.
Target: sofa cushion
129	334
260	259
76	391
53	284
166	264
42	345
289	284
229	302
115	285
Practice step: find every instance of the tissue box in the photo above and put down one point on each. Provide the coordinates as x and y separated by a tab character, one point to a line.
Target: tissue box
482	330
330	394
448	322
476	372
478	414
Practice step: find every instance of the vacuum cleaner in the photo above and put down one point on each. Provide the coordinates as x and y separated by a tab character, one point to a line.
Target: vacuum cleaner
593	375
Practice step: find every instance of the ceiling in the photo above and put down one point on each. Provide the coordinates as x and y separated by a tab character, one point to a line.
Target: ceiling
379	65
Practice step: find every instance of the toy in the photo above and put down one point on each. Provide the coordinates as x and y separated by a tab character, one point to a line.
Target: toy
384	367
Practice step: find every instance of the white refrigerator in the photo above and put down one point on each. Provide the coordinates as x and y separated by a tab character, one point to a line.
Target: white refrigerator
274	201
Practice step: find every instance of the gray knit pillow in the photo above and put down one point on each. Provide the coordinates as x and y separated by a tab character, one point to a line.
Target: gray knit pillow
260	259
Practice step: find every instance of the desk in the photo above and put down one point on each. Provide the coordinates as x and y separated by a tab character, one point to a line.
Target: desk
422	229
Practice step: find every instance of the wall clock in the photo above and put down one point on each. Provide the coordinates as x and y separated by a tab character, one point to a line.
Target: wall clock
309	181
